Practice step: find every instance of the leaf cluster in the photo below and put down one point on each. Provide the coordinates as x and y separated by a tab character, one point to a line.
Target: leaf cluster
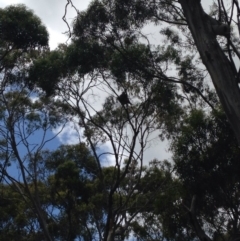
21	29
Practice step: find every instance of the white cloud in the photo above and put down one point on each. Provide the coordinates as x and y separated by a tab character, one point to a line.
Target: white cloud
56	38
8	2
69	134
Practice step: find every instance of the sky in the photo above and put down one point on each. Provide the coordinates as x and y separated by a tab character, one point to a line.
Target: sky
51	13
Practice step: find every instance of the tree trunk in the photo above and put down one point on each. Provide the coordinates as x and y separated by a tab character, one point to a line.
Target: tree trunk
198	229
221	70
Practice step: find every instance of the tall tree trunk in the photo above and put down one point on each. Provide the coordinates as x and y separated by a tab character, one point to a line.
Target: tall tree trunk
221	70
194	222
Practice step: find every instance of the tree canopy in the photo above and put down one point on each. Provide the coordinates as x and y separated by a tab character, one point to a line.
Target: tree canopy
121	91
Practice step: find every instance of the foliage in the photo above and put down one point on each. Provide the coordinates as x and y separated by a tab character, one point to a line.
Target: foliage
207	162
75	197
101	188
26	32
23	36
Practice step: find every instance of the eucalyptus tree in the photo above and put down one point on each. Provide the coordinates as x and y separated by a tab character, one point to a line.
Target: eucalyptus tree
111	56
210	36
195	43
111	37
75	200
206	157
26	117
117	131
118	134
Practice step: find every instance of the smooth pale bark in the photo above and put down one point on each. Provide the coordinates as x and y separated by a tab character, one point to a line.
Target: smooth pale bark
193	219
222	72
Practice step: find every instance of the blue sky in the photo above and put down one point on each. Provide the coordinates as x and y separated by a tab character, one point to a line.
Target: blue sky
35	139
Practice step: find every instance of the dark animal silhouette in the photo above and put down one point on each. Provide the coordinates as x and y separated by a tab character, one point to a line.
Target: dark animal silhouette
123	99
